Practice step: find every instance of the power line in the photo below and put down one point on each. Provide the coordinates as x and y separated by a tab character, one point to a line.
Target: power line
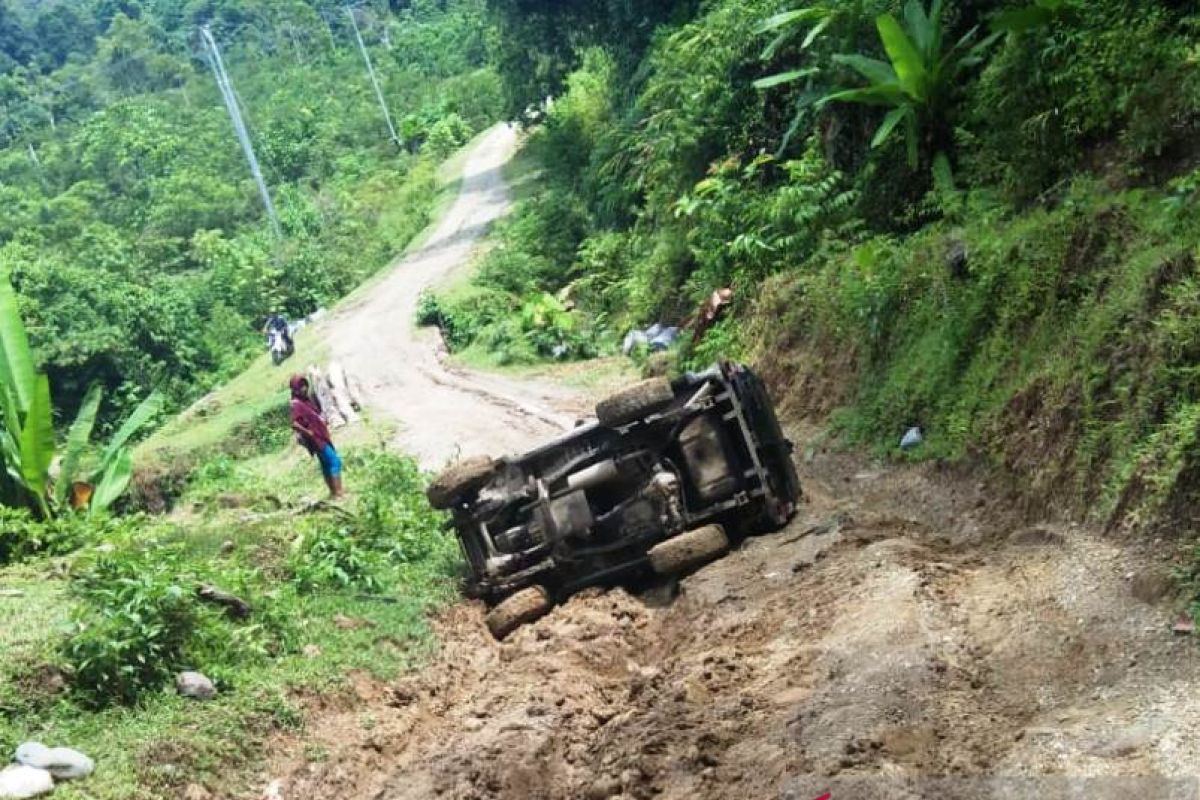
387	115
239	127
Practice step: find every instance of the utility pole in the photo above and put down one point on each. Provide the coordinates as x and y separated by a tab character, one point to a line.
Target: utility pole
239	127
387	115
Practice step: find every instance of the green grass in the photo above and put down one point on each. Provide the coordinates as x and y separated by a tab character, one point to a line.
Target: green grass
154	748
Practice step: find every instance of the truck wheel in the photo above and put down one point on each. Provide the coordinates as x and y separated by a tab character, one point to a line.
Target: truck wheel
688	550
516	610
628	404
457	481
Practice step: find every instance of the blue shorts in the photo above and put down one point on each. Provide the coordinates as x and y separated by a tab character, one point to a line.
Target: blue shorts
331	463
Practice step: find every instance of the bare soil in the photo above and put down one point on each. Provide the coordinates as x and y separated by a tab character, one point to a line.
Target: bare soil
908	635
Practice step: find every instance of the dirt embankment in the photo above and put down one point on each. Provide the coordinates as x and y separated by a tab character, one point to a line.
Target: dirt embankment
901	639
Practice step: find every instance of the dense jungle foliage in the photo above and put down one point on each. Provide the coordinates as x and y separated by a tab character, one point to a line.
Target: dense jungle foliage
132	230
978	217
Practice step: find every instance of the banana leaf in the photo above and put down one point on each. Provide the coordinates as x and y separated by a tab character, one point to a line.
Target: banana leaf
905	57
114	480
37	443
77	439
17	377
141	415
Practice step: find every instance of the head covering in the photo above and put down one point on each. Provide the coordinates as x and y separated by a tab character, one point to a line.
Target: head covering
299	385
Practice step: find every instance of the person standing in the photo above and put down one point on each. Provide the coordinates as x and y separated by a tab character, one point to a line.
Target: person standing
313	434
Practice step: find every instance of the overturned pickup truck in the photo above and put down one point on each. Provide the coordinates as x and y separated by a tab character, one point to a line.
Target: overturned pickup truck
668	472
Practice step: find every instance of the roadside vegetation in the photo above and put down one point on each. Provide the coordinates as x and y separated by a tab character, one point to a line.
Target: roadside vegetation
979	219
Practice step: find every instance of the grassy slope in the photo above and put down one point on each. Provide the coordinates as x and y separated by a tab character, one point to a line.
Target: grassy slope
232	499
1060	356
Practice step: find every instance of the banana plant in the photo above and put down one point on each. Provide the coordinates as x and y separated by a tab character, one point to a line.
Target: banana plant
917	79
28	446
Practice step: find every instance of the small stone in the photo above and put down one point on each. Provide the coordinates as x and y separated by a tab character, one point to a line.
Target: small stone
912	439
19	781
1151	585
62	763
227	547
311	651
274	790
1184	626
195	685
195	791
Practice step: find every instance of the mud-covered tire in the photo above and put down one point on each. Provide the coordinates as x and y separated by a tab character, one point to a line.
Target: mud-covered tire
516	610
689	550
638	400
457	481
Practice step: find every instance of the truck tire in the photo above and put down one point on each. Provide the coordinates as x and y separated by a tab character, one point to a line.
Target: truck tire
457	481
516	610
628	404
688	550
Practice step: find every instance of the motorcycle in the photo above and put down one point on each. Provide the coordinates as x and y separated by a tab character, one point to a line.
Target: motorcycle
279	346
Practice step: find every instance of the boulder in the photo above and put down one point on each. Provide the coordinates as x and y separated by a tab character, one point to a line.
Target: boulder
61	762
195	685
18	782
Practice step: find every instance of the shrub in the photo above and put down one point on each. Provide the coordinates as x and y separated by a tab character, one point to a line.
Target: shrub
138	622
393	513
1114	67
447	135
393	526
23	536
334	556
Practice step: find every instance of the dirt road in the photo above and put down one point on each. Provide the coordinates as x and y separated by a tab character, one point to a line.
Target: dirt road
907	636
443	412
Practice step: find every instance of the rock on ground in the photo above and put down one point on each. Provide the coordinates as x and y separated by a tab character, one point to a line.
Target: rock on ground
61	762
19	782
195	685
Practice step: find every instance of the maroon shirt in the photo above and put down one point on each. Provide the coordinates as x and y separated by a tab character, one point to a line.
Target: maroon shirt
307	422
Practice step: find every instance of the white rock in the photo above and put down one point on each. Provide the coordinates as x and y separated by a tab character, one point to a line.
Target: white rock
912	438
195	685
19	782
62	762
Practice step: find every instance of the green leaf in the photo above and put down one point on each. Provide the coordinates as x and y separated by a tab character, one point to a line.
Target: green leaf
816	31
919	29
113	480
872	69
894	118
77	439
784	77
890	95
906	59
141	415
37	442
774	23
16	359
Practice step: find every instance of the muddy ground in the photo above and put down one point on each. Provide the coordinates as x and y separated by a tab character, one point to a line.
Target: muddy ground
903	638
908	635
